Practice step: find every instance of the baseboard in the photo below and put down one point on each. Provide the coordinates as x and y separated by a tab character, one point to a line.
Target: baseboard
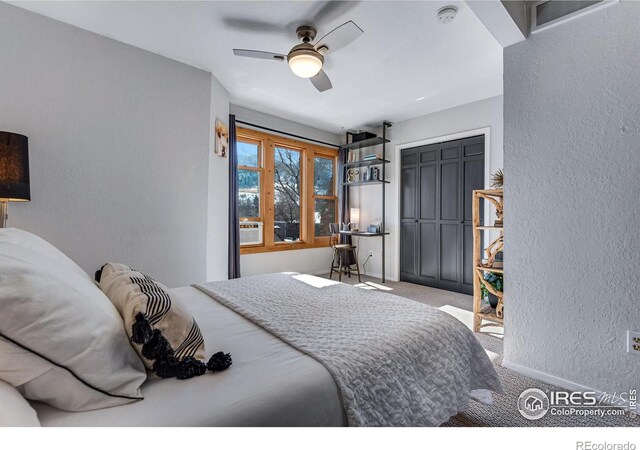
545	377
548	378
319	273
379	275
372	275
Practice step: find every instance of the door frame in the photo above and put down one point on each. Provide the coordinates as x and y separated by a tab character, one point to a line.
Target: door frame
486	132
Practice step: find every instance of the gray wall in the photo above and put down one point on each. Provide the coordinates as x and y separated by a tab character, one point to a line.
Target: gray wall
278	123
520	13
572	206
485	113
218	210
118	138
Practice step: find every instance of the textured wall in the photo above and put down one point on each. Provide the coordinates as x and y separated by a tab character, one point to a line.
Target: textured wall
119	139
572	214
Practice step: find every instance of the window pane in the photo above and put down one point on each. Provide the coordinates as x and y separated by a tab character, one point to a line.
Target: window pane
323	176
247	154
325	214
287	195
248	193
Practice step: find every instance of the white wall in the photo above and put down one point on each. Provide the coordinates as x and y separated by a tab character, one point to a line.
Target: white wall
449	124
119	140
313	261
218	201
572	209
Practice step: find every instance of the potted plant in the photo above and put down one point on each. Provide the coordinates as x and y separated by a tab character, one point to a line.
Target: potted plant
496	281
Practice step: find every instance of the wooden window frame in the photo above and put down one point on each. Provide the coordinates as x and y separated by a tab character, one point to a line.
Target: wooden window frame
323	239
260	170
308	153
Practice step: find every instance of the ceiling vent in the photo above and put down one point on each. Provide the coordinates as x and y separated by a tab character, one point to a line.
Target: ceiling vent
550	13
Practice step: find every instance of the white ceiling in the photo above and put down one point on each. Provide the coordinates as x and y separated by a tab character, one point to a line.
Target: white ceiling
405	54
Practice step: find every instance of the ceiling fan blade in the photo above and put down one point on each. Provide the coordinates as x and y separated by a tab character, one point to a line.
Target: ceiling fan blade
254	26
258	54
343	35
321	81
323	12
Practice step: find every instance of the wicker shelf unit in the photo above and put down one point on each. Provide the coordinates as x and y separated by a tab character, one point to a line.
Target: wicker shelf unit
483	260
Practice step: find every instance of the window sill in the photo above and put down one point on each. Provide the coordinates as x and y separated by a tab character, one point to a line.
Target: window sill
281	247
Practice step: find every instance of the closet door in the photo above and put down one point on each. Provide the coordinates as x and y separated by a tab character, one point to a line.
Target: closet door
450	218
409	215
436	232
428	251
473	178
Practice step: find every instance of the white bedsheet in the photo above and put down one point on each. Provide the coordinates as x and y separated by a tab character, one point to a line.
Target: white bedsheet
269	383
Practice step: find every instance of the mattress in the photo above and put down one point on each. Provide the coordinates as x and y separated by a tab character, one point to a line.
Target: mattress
269	384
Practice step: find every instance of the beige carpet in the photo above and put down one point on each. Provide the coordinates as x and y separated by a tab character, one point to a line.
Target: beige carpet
503	412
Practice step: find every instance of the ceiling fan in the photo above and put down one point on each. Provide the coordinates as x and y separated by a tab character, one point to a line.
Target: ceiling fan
306	59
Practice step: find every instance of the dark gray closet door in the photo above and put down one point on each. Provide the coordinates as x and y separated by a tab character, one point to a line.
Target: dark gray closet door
408	216
436	232
473	178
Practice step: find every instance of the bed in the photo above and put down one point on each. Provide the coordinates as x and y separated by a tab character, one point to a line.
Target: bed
278	380
269	384
306	351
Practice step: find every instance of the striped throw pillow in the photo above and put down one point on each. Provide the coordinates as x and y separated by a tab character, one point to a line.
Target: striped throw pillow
161	330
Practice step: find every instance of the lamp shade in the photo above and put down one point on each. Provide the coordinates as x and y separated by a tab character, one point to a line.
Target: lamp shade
355	215
14	167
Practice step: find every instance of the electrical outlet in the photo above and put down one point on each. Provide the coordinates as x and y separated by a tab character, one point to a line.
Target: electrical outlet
371	254
633	342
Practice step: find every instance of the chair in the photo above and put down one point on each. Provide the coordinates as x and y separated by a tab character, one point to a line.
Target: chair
344	255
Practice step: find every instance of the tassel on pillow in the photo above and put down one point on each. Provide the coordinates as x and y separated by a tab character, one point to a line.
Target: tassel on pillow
141	330
165	364
219	361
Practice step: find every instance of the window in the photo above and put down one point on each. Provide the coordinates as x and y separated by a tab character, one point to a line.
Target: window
289	186
286	208
249	174
324	194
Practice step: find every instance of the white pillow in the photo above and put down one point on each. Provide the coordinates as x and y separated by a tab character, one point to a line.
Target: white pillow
62	342
15	411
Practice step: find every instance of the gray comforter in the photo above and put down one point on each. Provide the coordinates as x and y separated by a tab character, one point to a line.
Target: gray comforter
396	362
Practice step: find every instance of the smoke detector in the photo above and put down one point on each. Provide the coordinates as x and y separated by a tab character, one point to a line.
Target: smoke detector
446	14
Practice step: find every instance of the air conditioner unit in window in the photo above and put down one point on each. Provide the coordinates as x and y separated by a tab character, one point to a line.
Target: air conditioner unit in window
250	233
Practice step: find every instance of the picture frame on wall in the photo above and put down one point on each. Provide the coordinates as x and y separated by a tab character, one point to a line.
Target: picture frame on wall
221	146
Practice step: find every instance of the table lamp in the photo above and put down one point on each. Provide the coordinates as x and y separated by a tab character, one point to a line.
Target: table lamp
14	171
355	219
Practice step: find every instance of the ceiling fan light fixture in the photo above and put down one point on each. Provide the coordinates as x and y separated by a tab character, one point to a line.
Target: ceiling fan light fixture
305	62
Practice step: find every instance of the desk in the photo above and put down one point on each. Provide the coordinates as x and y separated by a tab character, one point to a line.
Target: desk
367	234
361	234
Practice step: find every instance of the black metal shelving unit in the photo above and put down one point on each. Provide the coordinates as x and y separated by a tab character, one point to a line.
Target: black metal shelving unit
370	162
382	182
363	183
